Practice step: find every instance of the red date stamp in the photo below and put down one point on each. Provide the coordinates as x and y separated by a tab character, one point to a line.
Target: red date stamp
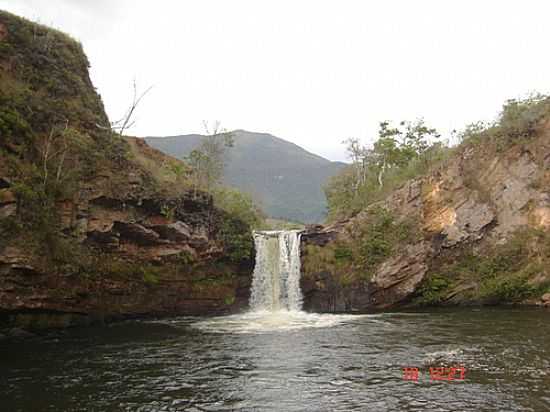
453	373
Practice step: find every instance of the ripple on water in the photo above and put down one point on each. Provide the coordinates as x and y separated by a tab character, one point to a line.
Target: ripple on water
288	362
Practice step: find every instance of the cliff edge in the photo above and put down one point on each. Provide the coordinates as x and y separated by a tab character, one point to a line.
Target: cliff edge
95	226
475	230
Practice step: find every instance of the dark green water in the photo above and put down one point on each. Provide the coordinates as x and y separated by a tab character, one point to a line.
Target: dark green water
316	363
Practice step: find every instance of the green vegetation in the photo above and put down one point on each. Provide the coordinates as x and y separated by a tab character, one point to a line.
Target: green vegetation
50	139
56	142
241	216
412	149
519	121
286	180
149	276
433	290
45	83
505	273
229	300
357	255
399	154
208	159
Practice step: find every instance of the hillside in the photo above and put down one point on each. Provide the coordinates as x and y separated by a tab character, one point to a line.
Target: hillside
95	226
286	179
457	234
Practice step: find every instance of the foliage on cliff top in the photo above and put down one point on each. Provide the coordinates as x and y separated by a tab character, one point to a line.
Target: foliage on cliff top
44	80
398	154
55	143
241	217
51	119
410	150
519	121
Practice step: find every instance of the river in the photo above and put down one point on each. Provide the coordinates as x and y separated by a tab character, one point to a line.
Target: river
288	362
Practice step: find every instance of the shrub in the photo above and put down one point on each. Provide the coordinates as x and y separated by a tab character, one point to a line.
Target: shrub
358	254
519	120
149	276
229	300
237	239
240	217
433	290
378	237
502	273
346	197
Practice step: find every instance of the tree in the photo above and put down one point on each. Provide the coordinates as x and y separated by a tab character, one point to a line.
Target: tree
397	153
418	138
57	151
359	156
386	150
127	121
397	146
208	160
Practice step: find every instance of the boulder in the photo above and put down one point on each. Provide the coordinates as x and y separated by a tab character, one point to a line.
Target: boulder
318	235
470	218
136	233
397	278
176	232
106	240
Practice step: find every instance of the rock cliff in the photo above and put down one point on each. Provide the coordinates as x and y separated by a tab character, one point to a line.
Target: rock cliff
473	231
95	226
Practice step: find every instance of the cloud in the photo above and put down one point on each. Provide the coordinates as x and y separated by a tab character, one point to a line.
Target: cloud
315	72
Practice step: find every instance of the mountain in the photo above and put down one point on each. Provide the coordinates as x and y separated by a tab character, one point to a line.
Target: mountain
286	179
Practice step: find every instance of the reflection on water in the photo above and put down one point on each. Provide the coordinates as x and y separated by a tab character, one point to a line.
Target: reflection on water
287	362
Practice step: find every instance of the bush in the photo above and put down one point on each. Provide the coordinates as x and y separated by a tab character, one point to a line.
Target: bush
240	217
149	276
237	239
519	120
345	198
501	273
239	205
433	290
378	238
358	254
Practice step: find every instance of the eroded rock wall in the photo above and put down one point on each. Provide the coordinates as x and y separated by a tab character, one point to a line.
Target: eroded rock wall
475	200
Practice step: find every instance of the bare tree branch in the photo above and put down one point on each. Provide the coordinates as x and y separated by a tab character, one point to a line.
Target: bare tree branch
127	121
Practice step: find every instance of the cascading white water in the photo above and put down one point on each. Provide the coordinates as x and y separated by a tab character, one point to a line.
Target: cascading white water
276	298
276	278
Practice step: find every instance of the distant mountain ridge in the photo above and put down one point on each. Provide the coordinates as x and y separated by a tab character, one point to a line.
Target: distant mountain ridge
286	179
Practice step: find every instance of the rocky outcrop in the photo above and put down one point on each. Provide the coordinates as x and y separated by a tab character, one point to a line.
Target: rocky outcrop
93	225
398	277
460	205
146	264
320	235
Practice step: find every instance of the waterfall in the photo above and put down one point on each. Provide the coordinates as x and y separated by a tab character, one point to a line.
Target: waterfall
276	278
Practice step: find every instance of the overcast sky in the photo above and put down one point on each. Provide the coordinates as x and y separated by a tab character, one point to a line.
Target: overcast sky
312	72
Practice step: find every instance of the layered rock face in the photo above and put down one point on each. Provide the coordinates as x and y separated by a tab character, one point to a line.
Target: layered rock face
475	201
146	254
93	225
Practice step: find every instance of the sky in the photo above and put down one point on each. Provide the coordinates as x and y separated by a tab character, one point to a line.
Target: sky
312	72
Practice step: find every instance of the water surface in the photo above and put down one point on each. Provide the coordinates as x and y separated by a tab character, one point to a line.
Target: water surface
287	362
